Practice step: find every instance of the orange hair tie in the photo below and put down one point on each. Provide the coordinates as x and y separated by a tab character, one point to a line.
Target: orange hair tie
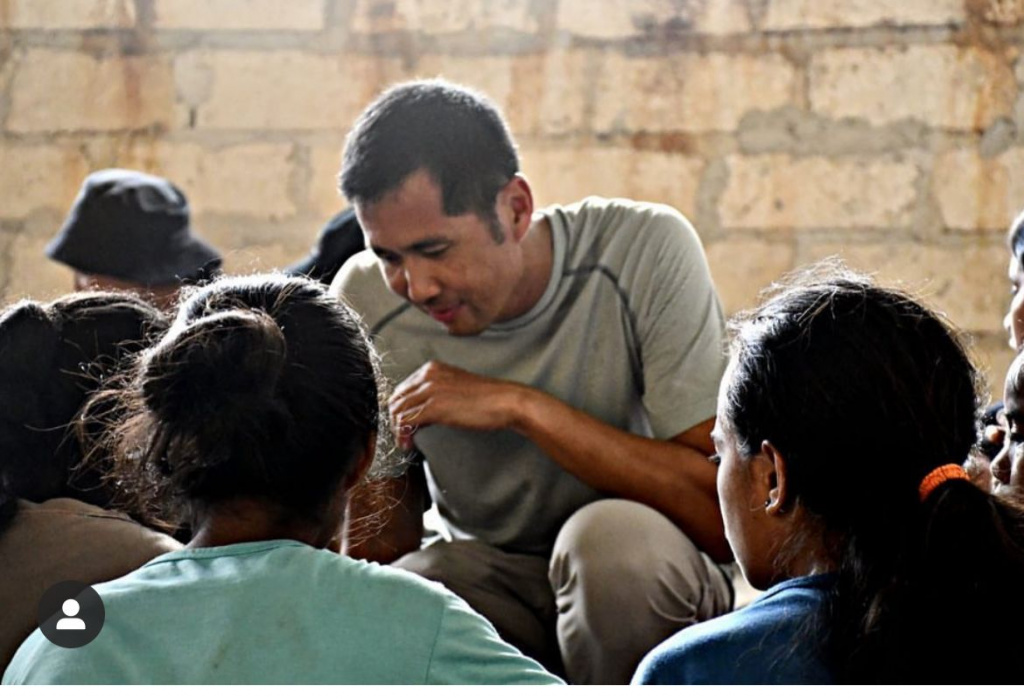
939	476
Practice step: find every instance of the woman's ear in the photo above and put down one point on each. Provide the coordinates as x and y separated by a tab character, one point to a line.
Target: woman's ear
772	465
363	462
339	503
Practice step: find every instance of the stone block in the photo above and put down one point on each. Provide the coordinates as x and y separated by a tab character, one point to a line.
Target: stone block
246	180
431	17
689	92
39	177
256	259
538	94
777	191
626	19
67	14
193	78
967	282
324	197
239	15
65	91
993	356
245	240
847	14
942	86
975	193
565	175
743	266
291	89
1000	12
30	273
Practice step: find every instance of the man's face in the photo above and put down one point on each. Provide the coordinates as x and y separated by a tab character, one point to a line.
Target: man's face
1008	466
450	267
164	297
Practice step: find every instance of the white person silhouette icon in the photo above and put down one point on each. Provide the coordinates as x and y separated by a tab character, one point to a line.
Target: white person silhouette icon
71	614
70	623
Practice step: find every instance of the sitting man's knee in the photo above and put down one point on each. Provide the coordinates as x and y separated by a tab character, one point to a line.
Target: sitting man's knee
621	534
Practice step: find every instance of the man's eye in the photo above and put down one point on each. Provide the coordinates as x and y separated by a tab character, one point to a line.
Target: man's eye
1014	433
434	253
716	459
1014	289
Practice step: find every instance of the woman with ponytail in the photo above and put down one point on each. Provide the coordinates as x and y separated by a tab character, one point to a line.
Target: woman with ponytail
252	420
843	421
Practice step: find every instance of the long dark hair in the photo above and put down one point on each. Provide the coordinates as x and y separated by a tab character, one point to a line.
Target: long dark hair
263	387
53	357
864	392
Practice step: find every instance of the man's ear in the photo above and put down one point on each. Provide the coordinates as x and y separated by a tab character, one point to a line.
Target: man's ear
518	196
771	472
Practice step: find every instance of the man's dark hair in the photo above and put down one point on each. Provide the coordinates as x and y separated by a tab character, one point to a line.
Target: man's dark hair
458	136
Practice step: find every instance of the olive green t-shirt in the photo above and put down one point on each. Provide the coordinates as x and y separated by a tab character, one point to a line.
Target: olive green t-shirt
629	330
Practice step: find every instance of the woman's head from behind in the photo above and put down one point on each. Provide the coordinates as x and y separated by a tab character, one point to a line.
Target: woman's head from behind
840	398
53	356
266	389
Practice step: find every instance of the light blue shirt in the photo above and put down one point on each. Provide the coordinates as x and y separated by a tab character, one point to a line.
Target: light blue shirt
278	612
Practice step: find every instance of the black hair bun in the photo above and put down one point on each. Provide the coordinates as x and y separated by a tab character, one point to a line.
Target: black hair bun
217	374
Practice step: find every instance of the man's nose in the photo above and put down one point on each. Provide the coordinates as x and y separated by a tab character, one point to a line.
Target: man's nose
1001	465
420	284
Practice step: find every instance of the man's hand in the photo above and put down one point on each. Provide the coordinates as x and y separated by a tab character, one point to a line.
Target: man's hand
439	394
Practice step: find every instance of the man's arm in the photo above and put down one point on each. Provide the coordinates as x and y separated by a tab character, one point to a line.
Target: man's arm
673	476
385	517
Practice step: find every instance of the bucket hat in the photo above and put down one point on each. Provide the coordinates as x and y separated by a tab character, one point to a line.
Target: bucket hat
133	226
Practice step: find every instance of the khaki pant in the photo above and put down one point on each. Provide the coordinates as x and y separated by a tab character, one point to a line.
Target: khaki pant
621	579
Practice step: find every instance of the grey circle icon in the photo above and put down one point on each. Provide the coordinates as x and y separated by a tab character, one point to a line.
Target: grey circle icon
71	614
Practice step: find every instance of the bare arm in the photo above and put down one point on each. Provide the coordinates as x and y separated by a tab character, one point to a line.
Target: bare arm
385	518
673	476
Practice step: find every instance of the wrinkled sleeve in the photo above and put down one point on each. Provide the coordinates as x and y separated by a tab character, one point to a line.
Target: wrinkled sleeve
681	326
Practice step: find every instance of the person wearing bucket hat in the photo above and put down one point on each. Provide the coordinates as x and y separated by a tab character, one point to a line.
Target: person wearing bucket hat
339	239
131	230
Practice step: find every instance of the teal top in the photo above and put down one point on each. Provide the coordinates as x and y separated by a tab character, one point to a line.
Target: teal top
278	612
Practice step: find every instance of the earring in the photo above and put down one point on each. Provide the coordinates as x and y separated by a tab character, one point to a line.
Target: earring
768	503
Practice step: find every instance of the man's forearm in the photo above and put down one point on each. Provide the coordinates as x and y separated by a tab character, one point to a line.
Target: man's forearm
673	477
385	518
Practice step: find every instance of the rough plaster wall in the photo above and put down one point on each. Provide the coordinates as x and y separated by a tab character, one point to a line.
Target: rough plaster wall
889	133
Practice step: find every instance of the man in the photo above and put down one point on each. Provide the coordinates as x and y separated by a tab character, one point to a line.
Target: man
559	374
131	231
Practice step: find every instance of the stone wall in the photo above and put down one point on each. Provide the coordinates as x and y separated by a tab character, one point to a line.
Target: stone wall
890	133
